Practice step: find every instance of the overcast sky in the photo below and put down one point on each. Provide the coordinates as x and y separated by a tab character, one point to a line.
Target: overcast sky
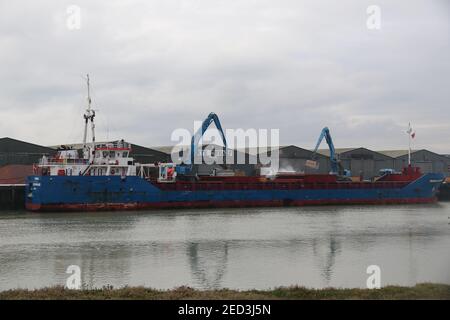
158	65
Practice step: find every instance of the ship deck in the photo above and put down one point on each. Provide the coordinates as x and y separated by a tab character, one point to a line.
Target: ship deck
288	182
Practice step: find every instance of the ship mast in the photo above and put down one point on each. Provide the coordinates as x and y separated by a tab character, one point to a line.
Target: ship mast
89	115
410	135
409	150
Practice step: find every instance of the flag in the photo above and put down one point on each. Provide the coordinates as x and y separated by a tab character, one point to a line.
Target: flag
410	131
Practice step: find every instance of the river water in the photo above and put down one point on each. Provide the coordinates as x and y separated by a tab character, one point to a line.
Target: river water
233	248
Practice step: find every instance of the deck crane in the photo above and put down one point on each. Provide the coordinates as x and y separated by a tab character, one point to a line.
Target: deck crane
212	117
189	168
335	165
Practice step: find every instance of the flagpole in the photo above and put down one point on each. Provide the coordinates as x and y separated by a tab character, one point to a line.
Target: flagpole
409	144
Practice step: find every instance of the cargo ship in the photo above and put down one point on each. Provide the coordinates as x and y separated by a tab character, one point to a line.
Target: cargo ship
117	187
104	176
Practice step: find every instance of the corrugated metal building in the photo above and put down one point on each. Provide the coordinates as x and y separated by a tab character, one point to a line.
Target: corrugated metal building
16	163
14	151
428	161
362	161
369	162
293	158
365	162
243	162
147	155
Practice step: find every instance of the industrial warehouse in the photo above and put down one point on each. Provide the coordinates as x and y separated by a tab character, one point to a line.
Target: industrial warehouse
18	157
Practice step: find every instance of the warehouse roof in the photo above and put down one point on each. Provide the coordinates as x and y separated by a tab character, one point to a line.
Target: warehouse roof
257	150
326	152
137	149
168	149
402	153
9	145
395	153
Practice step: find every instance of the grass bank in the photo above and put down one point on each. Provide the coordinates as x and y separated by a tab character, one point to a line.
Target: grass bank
420	291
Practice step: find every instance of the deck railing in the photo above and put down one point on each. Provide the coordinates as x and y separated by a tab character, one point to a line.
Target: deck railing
63	161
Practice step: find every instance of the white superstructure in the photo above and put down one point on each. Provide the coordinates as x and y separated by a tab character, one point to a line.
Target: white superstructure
101	159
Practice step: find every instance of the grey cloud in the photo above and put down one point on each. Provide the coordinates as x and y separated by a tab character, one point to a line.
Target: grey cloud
293	65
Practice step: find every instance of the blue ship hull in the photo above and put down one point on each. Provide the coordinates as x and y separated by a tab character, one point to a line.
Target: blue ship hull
81	193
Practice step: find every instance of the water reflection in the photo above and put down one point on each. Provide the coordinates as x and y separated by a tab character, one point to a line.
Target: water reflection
208	262
324	253
260	248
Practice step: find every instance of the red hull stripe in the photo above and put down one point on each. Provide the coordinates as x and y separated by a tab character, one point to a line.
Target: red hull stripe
214	204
